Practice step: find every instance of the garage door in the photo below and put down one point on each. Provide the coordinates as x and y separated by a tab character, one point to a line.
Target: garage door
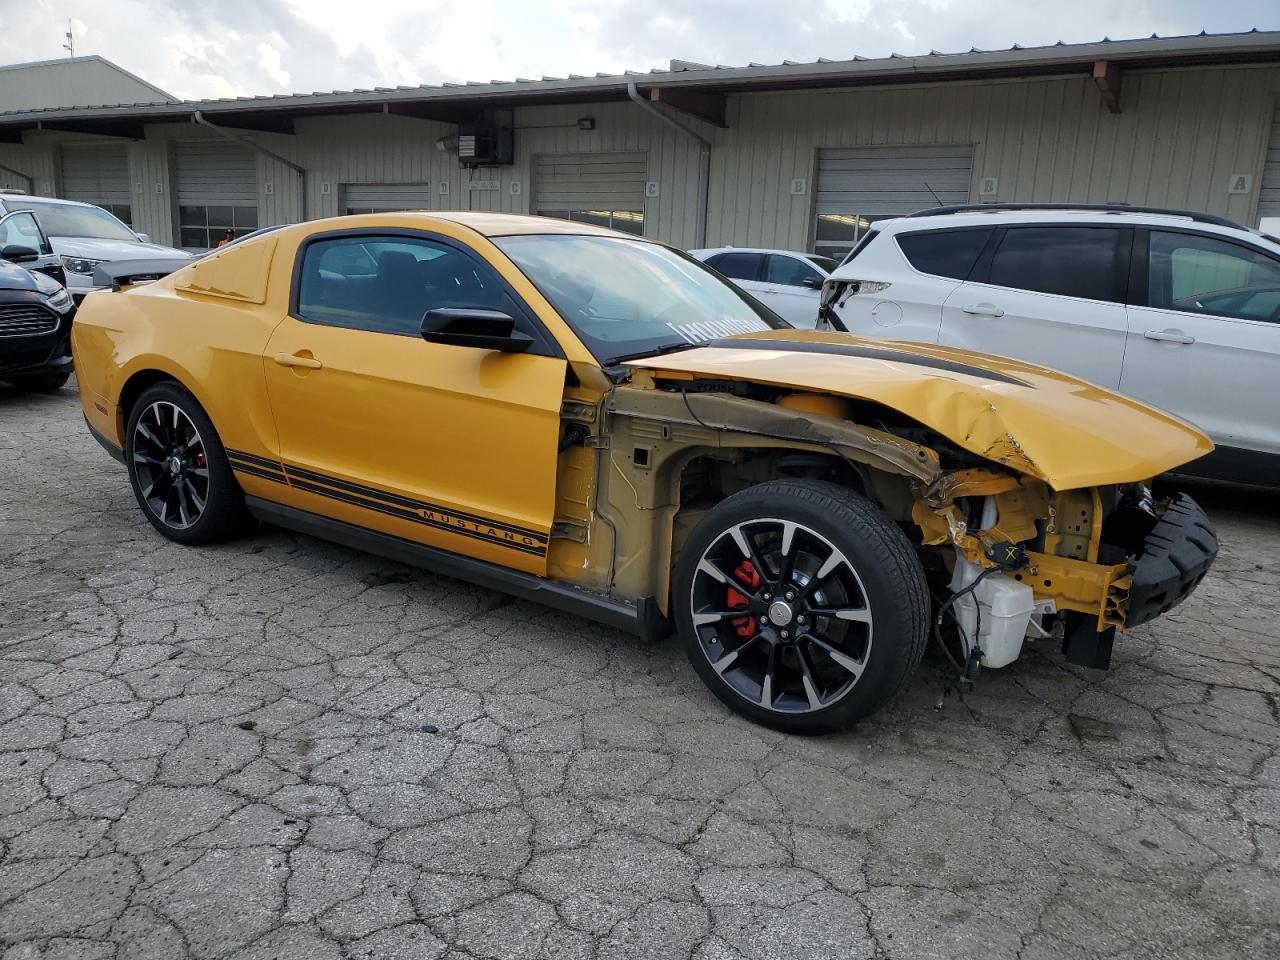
859	185
217	187
1269	195
602	188
98	174
375	197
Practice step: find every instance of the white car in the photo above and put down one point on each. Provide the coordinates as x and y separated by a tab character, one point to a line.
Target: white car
787	283
84	236
1180	310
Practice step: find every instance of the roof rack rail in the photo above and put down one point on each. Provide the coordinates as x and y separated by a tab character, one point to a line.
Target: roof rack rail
1086	207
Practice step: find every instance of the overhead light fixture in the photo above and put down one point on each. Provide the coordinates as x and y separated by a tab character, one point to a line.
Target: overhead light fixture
586	123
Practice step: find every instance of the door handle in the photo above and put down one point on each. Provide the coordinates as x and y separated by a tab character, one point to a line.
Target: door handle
293	360
983	310
1168	336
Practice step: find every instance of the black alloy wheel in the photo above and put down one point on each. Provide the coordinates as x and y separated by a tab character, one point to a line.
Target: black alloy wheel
172	465
800	605
179	469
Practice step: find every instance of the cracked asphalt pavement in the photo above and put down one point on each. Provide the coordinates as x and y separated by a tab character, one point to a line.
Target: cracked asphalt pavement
279	748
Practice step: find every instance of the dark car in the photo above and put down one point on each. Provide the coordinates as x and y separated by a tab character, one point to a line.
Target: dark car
35	325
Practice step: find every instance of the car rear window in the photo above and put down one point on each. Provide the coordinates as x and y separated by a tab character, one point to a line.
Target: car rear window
944	253
861	245
738	266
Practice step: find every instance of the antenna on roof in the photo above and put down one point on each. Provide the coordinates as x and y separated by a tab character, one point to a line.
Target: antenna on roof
934	192
70	45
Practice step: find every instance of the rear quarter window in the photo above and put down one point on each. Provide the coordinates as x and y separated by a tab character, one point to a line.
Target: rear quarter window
944	253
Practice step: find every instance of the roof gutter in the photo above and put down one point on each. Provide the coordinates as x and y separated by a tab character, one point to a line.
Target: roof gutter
704	158
198	118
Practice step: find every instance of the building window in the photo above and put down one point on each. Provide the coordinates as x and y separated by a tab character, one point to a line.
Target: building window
203	227
627	221
836	233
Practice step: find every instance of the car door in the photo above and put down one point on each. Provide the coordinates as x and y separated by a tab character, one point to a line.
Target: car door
1050	294
745	269
21	229
452	446
791	288
1204	338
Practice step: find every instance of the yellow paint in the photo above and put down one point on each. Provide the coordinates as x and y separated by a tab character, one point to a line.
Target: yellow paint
1056	428
819	404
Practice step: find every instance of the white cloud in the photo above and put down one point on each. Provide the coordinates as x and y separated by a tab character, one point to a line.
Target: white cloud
215	48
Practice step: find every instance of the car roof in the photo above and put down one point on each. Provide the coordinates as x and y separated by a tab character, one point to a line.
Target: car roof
24	197
483	223
789	253
998	216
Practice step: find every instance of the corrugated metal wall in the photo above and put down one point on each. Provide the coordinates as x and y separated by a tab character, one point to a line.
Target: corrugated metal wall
1179	137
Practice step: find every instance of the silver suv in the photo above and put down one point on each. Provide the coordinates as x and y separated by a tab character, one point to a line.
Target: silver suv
84	236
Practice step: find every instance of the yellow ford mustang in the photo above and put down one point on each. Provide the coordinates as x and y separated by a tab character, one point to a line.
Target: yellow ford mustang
605	425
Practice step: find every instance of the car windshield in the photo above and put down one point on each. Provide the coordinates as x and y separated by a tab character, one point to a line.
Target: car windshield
826	263
629	298
70	220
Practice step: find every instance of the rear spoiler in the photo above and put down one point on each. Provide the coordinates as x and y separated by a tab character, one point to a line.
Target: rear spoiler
118	274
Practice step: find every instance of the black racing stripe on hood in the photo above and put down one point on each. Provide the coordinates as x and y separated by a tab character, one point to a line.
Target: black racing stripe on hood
865	353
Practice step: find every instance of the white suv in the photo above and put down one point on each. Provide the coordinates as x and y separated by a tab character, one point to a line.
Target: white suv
787	283
1180	310
84	236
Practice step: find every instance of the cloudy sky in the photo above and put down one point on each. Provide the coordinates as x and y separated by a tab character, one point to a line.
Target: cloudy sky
218	48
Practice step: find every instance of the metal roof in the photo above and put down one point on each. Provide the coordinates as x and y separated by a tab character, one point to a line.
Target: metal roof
451	101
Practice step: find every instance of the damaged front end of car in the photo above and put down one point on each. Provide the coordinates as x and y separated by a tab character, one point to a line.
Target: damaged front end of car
1071	566
1027	492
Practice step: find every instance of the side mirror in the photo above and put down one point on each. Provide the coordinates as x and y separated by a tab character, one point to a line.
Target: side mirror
813	283
482	329
16	254
144	237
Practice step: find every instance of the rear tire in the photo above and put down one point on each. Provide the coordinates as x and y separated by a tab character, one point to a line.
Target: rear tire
179	469
800	605
42	382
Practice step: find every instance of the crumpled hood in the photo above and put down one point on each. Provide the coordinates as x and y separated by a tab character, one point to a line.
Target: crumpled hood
97	249
1037	421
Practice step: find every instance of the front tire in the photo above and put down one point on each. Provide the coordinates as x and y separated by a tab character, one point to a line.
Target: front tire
179	469
800	605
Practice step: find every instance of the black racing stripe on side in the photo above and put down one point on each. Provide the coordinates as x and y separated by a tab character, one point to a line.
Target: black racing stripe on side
356	501
253	458
254	471
865	353
393	498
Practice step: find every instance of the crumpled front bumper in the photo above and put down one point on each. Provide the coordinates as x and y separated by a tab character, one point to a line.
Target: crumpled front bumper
1176	555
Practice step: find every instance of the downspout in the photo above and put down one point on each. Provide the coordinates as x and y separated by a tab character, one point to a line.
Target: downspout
31	184
198	118
704	159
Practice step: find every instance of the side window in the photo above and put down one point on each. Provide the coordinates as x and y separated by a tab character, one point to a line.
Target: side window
944	253
20	230
1200	274
1067	261
739	266
791	271
386	283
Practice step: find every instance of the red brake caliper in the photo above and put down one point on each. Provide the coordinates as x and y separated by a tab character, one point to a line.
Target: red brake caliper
749	577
